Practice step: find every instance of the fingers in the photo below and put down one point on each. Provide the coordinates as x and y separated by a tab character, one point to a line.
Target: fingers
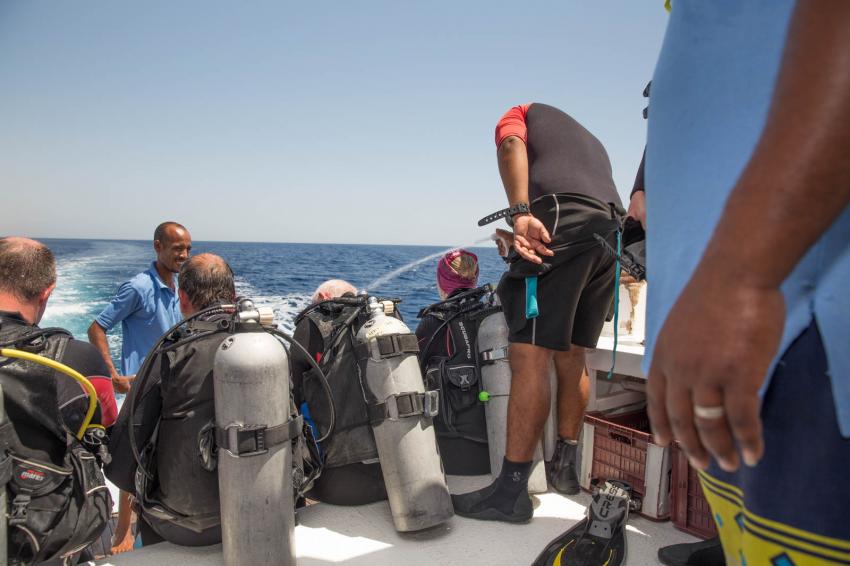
680	411
541	249
525	250
745	422
714	432
656	406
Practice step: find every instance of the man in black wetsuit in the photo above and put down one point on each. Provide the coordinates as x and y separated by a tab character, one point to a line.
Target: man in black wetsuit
556	294
174	410
46	409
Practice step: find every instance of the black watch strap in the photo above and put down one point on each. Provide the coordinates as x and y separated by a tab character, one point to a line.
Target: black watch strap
505	212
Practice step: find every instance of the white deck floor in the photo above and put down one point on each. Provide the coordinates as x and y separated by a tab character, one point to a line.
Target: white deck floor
364	535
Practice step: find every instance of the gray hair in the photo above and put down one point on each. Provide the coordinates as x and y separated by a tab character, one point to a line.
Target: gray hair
333	288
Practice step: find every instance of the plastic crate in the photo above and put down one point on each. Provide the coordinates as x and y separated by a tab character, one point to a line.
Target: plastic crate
688	508
620	447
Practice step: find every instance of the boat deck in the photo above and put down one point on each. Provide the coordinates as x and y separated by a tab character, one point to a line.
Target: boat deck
364	535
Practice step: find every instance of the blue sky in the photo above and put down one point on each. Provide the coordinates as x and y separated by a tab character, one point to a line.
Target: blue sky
350	122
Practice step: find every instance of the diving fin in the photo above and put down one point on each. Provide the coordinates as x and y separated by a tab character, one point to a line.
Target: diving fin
599	539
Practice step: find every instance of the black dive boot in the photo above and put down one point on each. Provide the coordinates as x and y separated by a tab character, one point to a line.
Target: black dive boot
704	553
561	471
506	499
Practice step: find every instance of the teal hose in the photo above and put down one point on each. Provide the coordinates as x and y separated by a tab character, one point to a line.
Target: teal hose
616	304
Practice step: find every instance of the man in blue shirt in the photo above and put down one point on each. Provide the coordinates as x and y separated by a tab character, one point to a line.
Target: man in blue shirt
146	305
748	251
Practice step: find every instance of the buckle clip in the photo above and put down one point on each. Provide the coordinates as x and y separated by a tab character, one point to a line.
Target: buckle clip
495	354
237	434
431	404
19	509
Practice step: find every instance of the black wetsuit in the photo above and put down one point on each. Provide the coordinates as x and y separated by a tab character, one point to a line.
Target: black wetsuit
177	398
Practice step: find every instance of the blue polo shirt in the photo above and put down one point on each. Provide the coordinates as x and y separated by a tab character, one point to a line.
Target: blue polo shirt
710	97
146	307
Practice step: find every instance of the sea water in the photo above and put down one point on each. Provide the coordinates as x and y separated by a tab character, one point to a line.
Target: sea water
282	276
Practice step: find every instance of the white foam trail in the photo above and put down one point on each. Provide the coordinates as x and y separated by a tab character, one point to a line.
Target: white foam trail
285	307
384	279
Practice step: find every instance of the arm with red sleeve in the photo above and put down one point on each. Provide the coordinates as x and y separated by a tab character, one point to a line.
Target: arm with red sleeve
530	236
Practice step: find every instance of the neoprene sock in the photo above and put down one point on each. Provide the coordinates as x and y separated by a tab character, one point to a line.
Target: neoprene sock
562	473
506	499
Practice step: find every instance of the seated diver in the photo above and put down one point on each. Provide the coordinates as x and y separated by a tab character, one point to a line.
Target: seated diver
448	356
48	411
351	473
173	413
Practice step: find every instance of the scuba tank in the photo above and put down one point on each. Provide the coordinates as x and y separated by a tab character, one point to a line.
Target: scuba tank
253	432
496	381
401	413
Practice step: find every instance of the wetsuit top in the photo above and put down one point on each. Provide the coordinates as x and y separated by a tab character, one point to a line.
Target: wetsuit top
73	401
177	398
563	157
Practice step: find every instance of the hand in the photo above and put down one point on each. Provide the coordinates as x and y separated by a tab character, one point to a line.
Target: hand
637	208
529	238
714	350
504	241
121	383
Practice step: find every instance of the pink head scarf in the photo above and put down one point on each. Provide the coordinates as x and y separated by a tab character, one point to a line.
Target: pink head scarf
448	279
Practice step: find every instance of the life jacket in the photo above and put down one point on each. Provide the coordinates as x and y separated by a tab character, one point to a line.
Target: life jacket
58	500
453	369
351	472
177	488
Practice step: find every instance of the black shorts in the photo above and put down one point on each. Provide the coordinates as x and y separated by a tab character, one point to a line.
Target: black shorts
575	289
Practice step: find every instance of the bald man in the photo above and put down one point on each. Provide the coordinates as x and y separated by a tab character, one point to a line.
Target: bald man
178	394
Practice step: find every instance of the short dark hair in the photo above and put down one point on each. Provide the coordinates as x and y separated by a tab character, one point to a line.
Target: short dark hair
207	280
159	233
27	267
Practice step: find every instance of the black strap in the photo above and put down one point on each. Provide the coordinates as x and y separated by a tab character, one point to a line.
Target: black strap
389	346
505	212
404	405
251	440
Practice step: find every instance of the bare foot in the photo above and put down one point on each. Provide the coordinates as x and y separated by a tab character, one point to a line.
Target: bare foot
125	545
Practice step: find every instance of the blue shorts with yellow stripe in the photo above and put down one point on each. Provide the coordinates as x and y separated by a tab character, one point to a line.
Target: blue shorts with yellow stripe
793	508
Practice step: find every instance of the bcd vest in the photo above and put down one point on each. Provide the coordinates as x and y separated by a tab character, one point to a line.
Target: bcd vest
178	489
352	440
457	376
58	500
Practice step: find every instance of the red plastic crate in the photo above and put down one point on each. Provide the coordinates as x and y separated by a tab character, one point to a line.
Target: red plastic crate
621	444
689	509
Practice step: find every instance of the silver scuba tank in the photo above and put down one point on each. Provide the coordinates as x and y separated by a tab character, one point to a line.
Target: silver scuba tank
401	414
253	433
496	385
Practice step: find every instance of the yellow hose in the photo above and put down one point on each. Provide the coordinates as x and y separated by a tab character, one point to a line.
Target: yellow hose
60	367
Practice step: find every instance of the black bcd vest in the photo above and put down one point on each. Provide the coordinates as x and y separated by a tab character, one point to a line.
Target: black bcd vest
455	371
351	473
58	502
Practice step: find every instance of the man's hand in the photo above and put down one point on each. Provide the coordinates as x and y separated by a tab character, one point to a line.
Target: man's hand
714	352
121	383
530	237
637	208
